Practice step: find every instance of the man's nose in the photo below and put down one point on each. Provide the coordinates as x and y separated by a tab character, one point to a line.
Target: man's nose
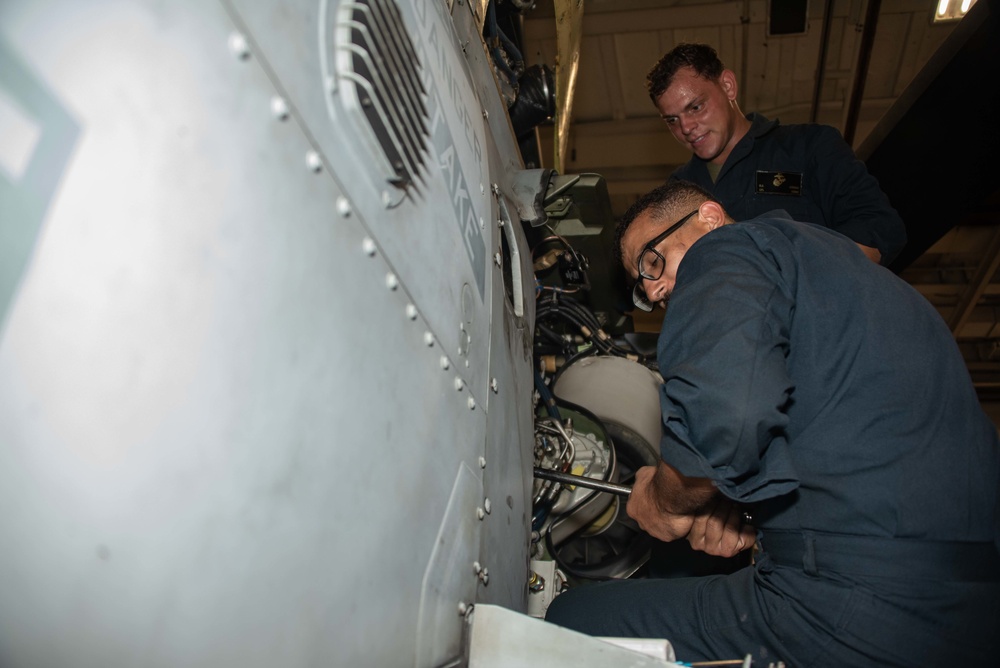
687	125
655	290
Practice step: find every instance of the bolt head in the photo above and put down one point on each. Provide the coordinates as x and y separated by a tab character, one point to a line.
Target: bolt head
472	404
279	108
313	161
428	339
482	462
368	246
343	207
459	383
494	385
445	363
487	506
391	281
238	46
480	513
411	312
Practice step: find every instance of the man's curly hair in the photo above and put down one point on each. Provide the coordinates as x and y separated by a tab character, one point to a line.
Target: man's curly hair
700	57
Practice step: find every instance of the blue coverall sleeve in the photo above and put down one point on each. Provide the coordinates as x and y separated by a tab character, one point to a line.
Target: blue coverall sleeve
722	353
851	199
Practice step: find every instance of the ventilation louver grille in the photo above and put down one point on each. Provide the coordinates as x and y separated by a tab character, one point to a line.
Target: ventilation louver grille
385	69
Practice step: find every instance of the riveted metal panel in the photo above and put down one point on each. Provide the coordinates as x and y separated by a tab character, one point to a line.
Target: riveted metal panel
232	405
436	229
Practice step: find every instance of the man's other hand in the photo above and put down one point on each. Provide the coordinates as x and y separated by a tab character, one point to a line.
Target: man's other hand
668	505
719	530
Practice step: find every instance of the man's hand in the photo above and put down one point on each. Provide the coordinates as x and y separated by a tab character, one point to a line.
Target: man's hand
720	531
645	507
668	505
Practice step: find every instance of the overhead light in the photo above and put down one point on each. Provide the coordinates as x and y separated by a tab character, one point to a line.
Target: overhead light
951	10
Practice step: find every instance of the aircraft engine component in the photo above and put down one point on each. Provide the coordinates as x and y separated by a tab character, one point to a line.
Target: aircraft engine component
622	396
625	395
571	508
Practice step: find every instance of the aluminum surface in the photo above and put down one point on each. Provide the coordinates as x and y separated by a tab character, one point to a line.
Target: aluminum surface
228	408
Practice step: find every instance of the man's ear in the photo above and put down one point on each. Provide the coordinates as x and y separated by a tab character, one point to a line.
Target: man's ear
712	214
728	82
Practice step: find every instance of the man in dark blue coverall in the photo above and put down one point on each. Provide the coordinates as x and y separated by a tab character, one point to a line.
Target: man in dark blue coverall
819	391
753	165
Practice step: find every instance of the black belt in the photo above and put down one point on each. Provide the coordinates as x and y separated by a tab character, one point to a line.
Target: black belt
883	557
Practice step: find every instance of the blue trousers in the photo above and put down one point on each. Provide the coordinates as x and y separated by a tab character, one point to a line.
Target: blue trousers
781	613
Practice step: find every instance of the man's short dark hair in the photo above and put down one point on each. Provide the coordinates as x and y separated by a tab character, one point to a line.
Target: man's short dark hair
700	57
670	198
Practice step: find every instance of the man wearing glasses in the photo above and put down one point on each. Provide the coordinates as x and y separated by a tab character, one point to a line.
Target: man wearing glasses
806	384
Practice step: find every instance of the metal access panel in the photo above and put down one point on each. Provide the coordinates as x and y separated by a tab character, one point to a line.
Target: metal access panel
246	359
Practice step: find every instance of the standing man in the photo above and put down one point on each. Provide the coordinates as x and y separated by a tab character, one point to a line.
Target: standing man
817	390
753	165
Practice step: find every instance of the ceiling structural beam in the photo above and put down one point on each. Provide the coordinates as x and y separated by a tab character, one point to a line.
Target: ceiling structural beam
824	47
977	286
745	60
861	73
539	28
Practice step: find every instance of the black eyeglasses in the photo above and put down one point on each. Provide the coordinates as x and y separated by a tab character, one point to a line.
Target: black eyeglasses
651	265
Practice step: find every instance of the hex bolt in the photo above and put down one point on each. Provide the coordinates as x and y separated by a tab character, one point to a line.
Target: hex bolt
313	161
487	506
445	363
486	114
429	339
238	46
343	207
498	259
495	386
480	513
368	246
482	462
462	608
279	108
459	383
496	190
391	281
411	312
472	404
476	567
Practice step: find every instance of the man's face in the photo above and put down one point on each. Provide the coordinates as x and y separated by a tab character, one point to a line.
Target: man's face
642	230
699	113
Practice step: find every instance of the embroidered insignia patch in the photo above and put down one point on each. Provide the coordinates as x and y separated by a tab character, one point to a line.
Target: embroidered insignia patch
779	183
